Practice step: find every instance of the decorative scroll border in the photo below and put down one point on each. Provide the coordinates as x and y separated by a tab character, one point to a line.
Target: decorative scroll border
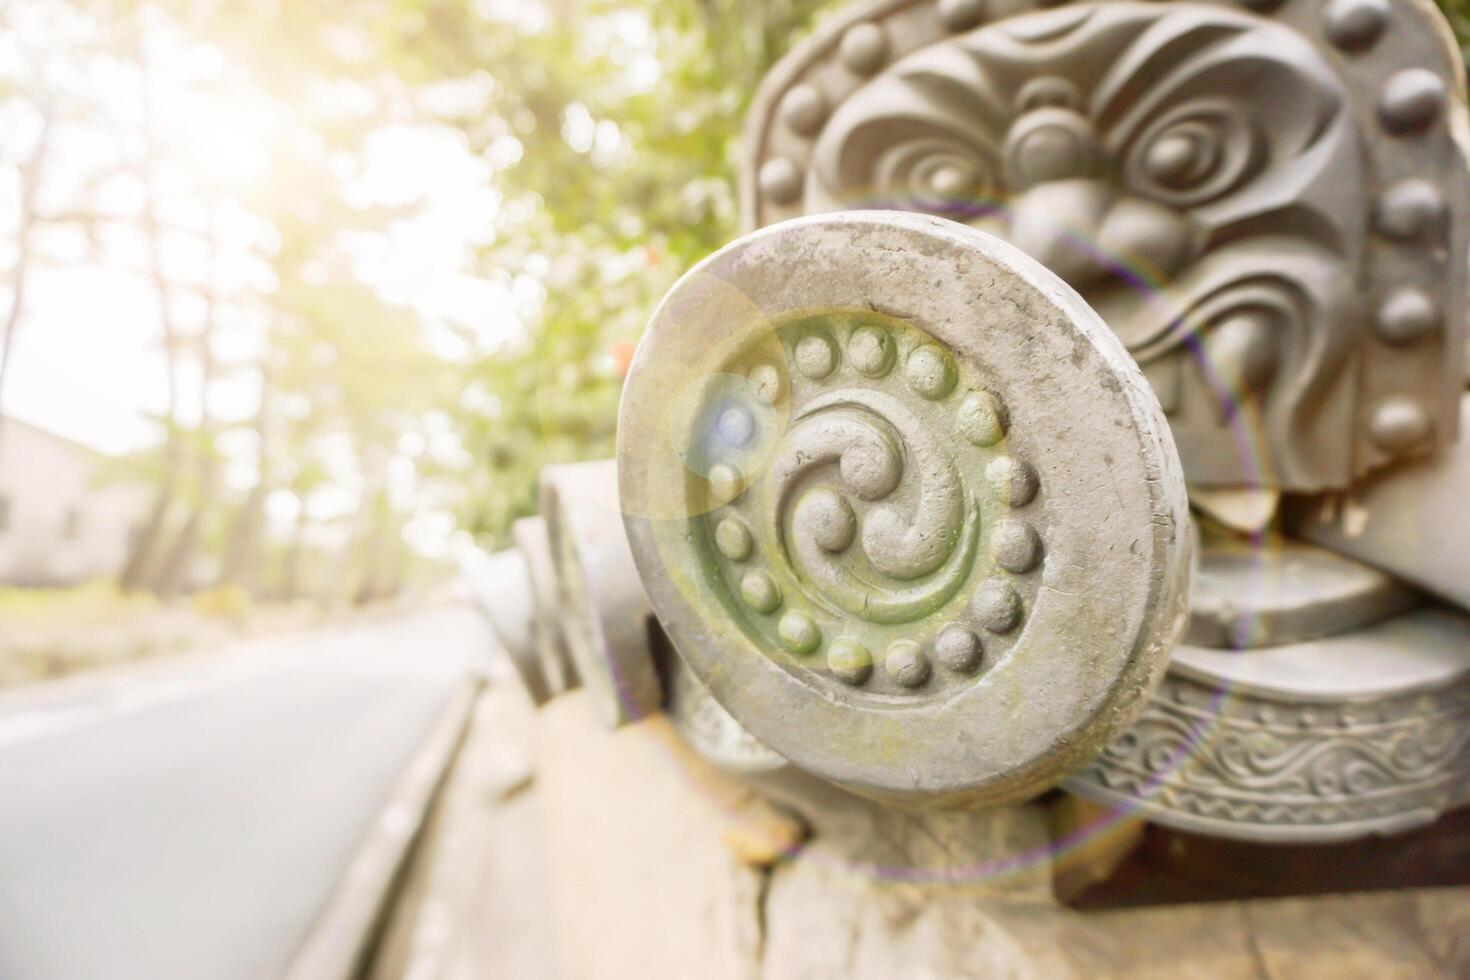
1213	760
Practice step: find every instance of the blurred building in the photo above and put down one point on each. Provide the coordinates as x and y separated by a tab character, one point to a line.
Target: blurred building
58	524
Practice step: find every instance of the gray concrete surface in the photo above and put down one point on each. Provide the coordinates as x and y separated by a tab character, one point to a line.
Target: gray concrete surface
191	820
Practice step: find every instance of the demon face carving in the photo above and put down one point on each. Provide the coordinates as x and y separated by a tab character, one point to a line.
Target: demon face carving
1185	169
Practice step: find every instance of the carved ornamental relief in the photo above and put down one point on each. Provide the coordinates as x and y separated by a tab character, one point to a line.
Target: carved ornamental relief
1214	182
845	518
876	515
1242	765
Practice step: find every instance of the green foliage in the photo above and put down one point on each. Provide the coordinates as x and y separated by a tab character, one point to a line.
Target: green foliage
626	116
612	127
1458	14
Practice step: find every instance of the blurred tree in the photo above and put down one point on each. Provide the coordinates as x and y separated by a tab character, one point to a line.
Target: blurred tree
609	128
139	569
1458	13
606	131
612	127
29	173
43	87
342	372
175	572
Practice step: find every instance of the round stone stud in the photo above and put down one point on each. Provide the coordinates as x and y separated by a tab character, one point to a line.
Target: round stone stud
798	632
725	482
930	372
871	351
870	508
1017	546
1353	25
736	426
1013	480
864	49
997	606
907	664
804	109
958	648
760	592
1406	315
1399	424
850	661
961	15
765	383
981	419
780	180
1411	100
816	356
732	537
1409	210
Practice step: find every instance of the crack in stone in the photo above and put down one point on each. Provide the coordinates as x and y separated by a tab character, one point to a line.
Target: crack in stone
765	875
1258	956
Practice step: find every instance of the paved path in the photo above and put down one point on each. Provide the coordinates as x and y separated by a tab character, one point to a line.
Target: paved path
475	902
190	821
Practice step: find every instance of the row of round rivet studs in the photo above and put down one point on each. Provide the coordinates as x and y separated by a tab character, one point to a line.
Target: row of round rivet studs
1407	211
906	663
930	372
1406	315
1410	101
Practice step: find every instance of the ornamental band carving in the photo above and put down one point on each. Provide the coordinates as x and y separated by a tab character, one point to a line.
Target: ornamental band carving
1213	760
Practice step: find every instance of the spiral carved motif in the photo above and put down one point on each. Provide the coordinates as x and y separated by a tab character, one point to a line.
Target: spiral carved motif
868	514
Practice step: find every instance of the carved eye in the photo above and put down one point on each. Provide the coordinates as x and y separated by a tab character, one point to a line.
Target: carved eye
1193	154
935	175
1185	156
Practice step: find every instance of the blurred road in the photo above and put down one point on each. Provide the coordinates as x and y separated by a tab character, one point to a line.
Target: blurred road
190	820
